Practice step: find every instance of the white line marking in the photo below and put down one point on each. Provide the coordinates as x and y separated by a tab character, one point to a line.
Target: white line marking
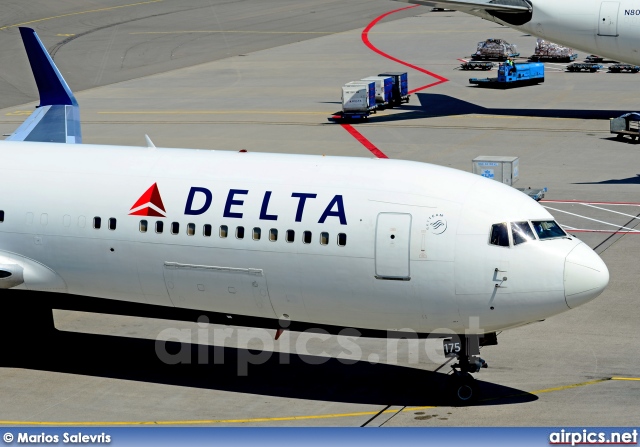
611	211
576	202
594	220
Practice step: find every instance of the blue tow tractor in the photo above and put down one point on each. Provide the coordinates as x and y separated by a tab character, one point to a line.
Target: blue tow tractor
516	75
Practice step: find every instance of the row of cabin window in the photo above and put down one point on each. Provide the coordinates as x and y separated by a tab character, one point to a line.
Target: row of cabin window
111	223
256	233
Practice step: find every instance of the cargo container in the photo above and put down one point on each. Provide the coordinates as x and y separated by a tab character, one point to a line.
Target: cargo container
384	88
400	92
502	169
358	98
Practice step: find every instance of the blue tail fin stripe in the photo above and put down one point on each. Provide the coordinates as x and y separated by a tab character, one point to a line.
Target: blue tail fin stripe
51	85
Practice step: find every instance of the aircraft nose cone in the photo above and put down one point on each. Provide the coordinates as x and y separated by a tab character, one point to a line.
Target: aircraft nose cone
585	276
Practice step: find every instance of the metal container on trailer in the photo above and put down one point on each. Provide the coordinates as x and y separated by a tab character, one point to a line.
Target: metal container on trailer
384	87
358	96
502	169
400	85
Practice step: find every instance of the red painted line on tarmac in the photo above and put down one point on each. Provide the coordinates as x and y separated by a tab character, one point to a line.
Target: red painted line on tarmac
366	143
365	39
462	60
367	42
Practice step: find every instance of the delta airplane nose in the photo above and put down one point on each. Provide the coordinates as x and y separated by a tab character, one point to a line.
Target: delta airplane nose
585	276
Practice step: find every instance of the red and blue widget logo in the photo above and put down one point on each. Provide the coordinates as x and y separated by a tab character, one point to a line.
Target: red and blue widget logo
149	204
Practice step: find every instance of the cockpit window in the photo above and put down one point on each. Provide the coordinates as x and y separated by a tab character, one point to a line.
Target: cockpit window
521	232
547	229
500	235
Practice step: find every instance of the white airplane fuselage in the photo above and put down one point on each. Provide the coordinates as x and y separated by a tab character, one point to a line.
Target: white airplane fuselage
606	28
392	245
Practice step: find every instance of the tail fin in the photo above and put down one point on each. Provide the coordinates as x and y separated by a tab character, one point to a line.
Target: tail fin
57	118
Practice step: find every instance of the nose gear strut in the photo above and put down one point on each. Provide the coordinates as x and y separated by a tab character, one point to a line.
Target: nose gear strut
463	386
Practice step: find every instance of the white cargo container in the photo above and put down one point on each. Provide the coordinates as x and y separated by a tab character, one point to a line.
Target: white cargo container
384	86
358	96
502	169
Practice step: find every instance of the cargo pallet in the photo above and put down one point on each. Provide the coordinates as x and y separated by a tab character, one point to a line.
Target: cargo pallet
551	58
499	57
359	116
626	68
594	59
477	65
584	66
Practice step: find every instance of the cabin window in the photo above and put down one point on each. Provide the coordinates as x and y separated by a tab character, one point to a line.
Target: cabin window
112	223
273	235
324	238
97	222
206	230
175	227
191	229
224	230
291	235
159	226
521	233
1	216
143	226
257	232
342	240
239	232
500	235
548	229
306	237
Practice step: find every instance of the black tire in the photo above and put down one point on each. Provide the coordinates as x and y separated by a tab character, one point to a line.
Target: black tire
463	389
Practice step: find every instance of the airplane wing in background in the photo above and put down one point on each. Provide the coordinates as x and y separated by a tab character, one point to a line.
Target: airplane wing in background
57	118
513	6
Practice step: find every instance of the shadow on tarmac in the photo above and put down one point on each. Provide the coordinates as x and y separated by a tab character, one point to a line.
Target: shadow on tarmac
433	105
623	181
310	377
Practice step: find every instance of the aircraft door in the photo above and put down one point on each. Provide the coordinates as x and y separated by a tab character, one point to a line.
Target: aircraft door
393	238
608	24
218	289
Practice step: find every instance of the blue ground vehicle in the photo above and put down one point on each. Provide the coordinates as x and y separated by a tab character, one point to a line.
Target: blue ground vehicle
516	75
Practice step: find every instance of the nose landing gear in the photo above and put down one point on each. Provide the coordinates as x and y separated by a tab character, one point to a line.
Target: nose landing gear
463	387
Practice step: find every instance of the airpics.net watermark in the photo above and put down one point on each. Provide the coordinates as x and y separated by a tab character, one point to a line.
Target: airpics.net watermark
592	437
206	343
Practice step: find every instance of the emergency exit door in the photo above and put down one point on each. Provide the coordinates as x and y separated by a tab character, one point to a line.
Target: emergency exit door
393	237
608	25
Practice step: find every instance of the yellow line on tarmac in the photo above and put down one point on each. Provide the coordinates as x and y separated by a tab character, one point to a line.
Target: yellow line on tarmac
214	112
78	13
216	421
566	387
234	31
635	379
